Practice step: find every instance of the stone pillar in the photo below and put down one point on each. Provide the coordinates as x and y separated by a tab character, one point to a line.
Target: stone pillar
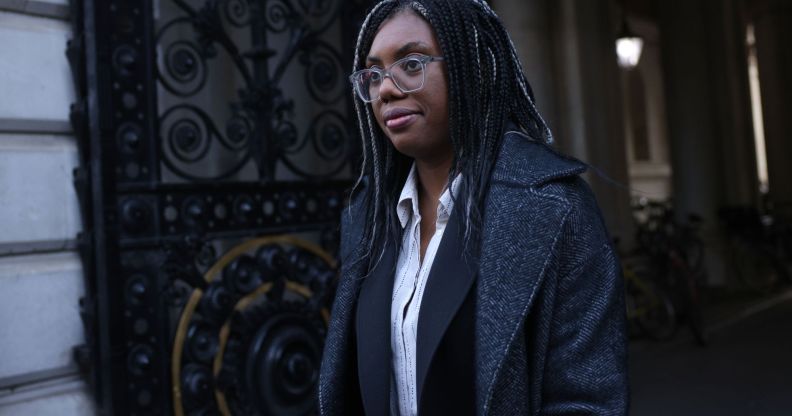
773	28
690	109
708	115
530	25
731	102
697	188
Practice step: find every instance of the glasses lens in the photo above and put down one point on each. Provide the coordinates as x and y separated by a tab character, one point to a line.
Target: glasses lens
408	74
367	84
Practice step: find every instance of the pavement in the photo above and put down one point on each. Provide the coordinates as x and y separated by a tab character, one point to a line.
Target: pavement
746	369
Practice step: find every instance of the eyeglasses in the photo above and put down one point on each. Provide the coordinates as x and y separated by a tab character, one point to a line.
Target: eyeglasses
408	74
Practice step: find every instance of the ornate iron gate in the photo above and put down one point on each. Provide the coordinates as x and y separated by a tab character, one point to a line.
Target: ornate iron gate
215	143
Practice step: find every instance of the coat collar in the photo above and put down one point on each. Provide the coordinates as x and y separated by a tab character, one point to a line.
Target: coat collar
527	162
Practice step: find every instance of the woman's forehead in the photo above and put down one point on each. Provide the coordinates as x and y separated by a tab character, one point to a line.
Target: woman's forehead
402	33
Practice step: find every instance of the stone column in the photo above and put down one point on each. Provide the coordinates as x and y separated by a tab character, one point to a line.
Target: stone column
708	115
690	109
773	28
697	188
530	25
731	102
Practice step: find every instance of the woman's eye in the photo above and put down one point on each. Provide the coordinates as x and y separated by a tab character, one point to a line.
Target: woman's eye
373	76
412	65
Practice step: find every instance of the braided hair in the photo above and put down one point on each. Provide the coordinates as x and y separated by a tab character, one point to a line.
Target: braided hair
486	89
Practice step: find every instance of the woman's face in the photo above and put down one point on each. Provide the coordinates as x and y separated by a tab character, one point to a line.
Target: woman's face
416	122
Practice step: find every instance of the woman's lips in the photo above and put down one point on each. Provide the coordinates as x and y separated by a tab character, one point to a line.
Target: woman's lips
399	117
400	121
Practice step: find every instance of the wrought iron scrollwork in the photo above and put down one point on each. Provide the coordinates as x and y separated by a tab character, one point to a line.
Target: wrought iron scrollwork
263	126
189	134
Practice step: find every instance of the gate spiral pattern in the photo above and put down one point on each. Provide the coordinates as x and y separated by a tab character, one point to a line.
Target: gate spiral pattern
263	107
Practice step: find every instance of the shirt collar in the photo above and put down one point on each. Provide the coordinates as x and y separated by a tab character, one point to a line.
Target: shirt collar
407	207
408	200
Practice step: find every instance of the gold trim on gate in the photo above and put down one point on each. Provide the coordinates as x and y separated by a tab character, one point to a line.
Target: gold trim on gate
192	303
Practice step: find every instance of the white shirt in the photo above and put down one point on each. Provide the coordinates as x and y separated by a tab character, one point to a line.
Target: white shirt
408	289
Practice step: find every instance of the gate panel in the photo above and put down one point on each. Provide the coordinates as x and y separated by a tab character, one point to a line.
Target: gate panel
216	143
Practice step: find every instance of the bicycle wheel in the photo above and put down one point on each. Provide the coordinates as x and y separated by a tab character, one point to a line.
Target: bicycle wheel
695	308
658	318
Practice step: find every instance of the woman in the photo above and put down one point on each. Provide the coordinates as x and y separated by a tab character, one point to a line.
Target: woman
477	275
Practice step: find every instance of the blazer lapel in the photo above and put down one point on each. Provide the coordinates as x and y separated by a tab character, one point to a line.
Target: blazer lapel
373	335
447	286
515	252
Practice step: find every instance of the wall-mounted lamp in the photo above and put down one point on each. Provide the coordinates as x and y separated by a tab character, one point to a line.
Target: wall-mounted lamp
628	47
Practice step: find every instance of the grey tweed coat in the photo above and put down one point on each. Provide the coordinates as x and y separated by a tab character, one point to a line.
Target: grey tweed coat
548	325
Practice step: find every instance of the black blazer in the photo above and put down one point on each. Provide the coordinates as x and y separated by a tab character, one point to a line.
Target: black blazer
444	368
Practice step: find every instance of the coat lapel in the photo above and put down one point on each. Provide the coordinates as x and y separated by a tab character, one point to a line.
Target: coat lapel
373	335
509	275
521	230
447	286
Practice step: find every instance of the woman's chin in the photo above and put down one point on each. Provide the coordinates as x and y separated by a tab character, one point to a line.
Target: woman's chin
406	146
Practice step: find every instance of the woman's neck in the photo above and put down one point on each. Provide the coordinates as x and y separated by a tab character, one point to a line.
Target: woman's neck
432	181
433	178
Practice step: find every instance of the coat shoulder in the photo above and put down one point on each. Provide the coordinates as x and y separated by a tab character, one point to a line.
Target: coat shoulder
548	183
528	162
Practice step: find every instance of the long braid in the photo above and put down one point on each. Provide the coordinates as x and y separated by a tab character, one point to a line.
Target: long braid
372	162
358	104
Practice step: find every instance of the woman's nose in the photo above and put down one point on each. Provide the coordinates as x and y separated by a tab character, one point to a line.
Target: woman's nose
388	89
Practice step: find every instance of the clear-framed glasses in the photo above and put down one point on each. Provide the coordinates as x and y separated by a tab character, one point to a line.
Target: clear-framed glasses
408	74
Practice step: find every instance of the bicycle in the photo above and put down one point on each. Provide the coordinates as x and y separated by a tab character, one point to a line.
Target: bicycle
677	253
649	308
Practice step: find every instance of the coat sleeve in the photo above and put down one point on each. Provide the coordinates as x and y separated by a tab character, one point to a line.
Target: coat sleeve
339	390
586	361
